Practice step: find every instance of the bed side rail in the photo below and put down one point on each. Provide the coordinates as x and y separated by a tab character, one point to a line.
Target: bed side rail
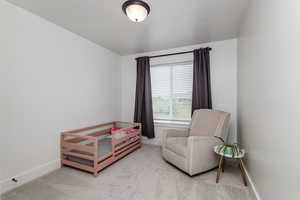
73	142
128	123
91	127
130	126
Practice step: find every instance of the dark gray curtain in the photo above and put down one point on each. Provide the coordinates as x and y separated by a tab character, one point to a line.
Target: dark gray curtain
201	98
143	112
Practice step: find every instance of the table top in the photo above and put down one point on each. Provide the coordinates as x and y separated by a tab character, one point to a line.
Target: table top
241	155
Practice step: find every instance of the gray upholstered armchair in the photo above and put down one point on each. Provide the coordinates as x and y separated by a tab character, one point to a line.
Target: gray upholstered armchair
191	150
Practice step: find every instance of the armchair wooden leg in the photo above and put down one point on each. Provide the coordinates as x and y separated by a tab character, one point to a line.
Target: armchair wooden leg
241	165
220	168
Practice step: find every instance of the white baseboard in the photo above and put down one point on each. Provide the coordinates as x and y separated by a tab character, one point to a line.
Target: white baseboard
27	176
252	186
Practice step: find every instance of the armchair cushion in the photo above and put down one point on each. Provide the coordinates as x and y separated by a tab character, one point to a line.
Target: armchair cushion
177	145
174	133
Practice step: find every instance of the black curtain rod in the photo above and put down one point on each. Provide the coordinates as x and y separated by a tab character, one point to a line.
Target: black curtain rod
172	54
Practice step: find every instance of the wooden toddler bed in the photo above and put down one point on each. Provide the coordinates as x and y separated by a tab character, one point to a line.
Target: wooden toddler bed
93	148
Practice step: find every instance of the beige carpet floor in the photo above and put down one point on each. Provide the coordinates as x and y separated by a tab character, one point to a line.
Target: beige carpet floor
142	175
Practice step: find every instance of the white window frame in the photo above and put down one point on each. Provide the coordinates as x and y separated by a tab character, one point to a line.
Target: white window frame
167	121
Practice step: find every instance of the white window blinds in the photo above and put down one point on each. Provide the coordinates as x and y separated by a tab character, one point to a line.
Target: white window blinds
172	91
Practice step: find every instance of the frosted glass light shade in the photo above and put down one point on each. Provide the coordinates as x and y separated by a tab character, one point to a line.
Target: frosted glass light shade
136	13
136	10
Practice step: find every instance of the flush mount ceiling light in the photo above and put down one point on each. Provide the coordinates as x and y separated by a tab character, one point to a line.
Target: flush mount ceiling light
136	10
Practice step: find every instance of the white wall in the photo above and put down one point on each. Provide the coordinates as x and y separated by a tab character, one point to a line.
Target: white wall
269	96
51	80
223	77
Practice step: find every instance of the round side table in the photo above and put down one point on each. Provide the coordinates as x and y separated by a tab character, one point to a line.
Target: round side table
221	164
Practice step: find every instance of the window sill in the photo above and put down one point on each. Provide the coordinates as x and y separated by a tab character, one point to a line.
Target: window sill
171	124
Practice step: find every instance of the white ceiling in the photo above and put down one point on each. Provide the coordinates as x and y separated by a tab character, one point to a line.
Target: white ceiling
171	23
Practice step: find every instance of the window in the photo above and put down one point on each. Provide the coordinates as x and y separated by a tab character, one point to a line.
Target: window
172	91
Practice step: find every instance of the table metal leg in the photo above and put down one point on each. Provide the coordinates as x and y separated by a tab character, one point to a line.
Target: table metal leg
223	165
241	165
220	168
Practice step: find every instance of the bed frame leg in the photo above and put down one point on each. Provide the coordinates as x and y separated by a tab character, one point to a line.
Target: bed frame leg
62	138
95	156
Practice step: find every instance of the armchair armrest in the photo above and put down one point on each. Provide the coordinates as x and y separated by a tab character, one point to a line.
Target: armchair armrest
201	155
174	133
